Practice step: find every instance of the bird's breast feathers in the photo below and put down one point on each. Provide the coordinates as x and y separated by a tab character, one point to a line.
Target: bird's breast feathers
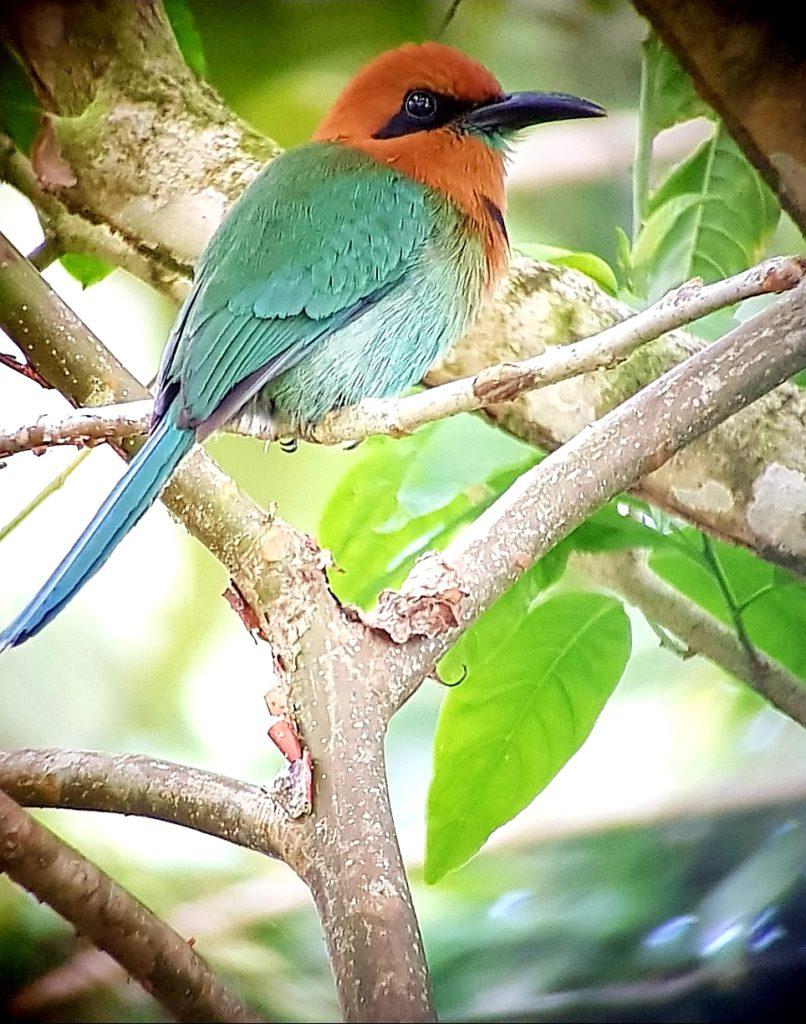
332	279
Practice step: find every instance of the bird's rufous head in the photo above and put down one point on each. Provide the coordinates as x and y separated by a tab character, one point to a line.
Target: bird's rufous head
442	118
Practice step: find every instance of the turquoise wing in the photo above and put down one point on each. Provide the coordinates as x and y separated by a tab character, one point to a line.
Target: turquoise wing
320	236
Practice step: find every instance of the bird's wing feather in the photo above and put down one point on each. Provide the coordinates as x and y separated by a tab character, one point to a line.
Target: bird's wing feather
321	234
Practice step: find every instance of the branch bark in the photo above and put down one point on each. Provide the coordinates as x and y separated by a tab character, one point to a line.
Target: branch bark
98	907
350	838
626	573
490	386
130	784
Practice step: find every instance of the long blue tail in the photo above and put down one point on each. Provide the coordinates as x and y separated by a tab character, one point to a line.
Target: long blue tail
139	487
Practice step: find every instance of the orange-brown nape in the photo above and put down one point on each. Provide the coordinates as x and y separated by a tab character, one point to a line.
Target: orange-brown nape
460	165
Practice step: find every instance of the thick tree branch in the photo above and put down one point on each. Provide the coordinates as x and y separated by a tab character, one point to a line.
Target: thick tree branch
349	844
726	484
749	64
446	591
626	573
490	386
77	233
160	114
99	908
130	784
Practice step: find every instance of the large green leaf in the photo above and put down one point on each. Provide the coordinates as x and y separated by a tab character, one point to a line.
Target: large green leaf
537	677
712	217
405	496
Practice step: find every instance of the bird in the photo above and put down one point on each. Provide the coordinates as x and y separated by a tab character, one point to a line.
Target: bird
347	266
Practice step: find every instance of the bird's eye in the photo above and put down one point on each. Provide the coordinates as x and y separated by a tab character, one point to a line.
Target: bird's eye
421	105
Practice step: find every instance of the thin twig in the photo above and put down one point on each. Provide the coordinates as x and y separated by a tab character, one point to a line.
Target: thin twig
643	143
749	648
150	950
449	16
50	488
47	252
489	387
23	368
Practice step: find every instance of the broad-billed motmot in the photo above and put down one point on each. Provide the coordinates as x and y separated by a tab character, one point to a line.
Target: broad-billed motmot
344	270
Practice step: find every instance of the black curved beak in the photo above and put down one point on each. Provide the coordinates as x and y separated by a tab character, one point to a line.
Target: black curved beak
522	109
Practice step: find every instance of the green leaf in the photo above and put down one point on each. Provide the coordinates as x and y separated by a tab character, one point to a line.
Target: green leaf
19	108
537	678
670	96
587	263
713	216
405	496
776	621
620	524
774	602
685	568
187	35
86	269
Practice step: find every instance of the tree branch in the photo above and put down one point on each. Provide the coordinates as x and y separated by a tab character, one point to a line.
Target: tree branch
445	592
98	907
490	386
626	573
751	69
130	784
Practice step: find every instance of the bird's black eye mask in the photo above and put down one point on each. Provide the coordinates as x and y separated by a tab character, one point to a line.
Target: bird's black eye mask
423	110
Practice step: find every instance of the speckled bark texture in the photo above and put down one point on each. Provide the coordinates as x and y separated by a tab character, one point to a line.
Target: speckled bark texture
727	482
100	909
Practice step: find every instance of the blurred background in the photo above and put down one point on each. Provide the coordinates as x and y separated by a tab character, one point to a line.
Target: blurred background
659	877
